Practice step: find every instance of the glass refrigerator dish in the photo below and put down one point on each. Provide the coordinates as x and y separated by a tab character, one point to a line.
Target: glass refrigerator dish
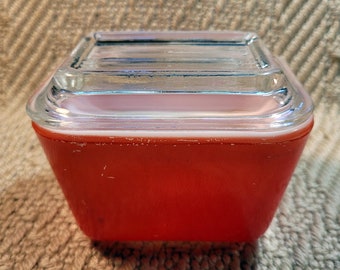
172	135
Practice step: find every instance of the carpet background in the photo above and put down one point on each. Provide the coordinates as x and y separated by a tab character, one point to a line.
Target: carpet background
37	230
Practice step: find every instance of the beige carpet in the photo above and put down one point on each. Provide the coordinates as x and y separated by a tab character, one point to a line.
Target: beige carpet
37	230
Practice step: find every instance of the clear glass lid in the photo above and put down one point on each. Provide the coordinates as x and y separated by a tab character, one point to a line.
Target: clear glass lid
222	82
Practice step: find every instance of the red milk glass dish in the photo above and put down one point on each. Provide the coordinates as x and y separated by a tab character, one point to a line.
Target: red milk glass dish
172	135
